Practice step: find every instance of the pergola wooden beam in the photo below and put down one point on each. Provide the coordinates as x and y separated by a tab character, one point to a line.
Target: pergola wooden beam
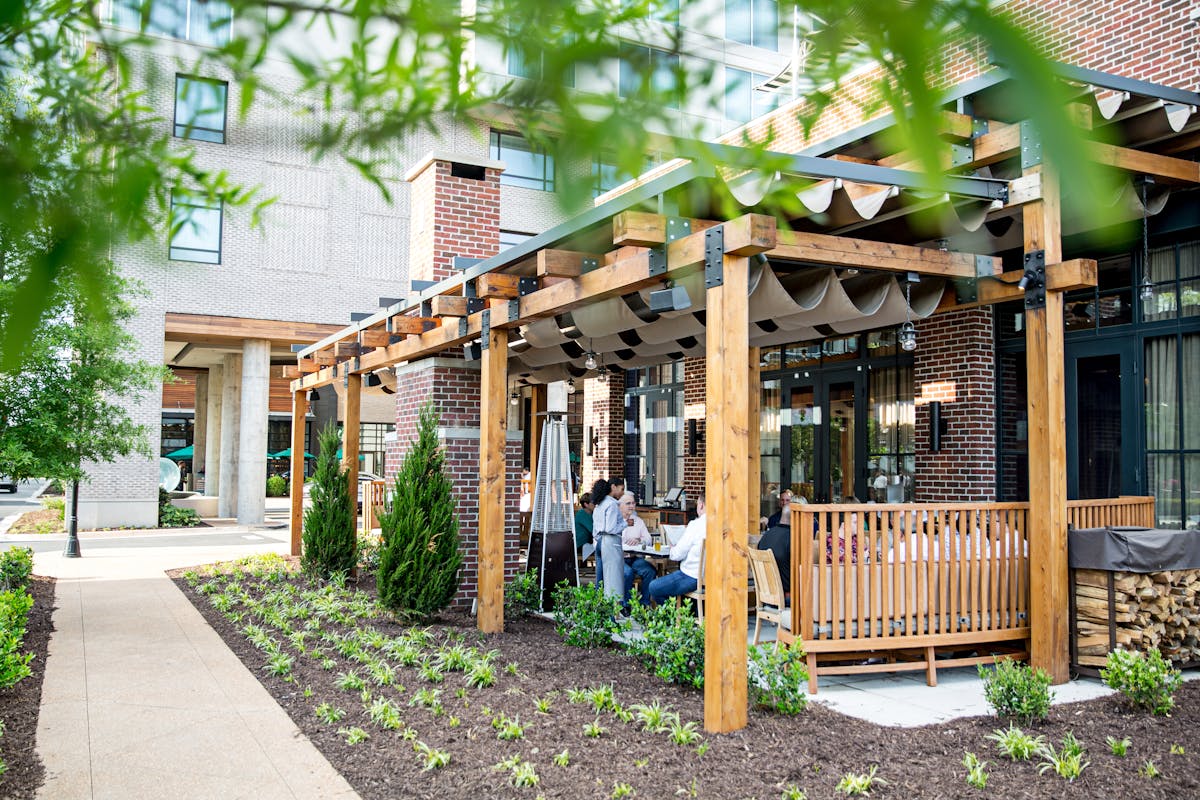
840	251
643	229
565	263
1163	169
1078	273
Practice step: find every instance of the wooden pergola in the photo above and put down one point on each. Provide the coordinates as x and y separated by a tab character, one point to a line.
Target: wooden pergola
615	249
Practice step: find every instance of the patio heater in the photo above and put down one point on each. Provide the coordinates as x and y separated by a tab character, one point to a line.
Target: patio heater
552	525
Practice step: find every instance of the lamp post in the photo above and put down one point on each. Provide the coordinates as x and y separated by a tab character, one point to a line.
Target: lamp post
72	548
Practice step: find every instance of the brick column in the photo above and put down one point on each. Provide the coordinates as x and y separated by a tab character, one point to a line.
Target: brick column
694	372
455	212
604	415
955	364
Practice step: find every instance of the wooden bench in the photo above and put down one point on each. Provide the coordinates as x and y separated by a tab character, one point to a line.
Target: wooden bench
908	587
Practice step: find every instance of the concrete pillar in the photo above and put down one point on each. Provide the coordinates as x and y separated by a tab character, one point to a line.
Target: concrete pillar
212	444
252	438
231	412
199	428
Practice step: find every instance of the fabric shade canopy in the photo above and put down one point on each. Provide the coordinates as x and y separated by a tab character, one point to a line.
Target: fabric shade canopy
288	454
182	454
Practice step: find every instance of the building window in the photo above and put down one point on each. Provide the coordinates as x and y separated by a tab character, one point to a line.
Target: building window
195	228
649	68
608	175
742	101
529	63
1174	274
655	433
753	22
509	239
200	109
207	22
525	164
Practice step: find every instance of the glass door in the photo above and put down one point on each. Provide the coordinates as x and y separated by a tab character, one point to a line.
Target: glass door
821	417
1101	394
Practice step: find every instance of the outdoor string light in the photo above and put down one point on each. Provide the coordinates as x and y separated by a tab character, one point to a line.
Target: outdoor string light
570	386
1147	286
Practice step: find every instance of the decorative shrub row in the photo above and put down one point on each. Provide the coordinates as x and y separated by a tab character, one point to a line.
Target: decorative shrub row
16	565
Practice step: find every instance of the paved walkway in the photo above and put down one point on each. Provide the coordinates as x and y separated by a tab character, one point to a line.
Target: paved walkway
142	699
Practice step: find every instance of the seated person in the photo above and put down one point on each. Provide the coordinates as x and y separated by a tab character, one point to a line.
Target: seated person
583	520
779	541
636	535
687	551
784	512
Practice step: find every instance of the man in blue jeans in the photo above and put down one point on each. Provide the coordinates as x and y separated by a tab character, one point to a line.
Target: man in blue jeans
688	551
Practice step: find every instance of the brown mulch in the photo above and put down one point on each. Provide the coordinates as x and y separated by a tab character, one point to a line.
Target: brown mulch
45	520
19	704
811	751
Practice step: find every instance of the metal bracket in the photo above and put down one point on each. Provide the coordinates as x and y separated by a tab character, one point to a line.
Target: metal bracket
469	289
966	290
1035	277
961	154
527	286
983	266
714	256
1031	146
678	227
462	326
485	333
589	264
978	127
462	263
658	261
420	286
514	310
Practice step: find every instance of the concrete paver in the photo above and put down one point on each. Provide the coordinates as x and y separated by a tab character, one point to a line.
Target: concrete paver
142	699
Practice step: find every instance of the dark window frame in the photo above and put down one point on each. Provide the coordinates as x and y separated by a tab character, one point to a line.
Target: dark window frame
178	253
185	130
549	178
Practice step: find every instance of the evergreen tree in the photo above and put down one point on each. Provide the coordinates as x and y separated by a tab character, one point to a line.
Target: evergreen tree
419	557
330	539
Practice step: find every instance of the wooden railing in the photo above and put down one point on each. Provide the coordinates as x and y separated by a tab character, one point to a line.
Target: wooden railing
374	499
1111	511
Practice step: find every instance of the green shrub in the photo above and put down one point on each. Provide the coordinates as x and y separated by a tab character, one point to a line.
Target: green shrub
584	616
14	614
1147	679
778	677
16	565
58	504
523	595
1016	690
277	486
672	643
170	516
419	556
330	537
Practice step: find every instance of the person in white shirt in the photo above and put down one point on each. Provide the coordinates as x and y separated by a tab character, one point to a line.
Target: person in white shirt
607	528
635	535
687	551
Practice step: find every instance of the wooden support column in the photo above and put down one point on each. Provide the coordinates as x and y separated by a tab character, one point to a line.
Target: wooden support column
350	428
537	406
754	468
493	422
727	494
299	411
1048	584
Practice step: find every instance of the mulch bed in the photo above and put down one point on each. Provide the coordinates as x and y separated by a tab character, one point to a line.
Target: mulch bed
811	751
19	704
45	520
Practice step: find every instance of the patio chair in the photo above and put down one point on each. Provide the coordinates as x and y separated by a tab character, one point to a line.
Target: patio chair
698	594
772	603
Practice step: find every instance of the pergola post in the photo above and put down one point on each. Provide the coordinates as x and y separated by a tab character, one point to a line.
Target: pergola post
299	411
754	465
1048	580
727	492
537	406
350	429
493	422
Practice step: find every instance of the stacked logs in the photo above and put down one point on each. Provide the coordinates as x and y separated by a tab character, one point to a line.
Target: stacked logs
1151	611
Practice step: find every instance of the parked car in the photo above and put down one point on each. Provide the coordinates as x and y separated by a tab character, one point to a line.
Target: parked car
11	485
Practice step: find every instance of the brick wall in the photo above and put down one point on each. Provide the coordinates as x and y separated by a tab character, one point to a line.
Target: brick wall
694	373
955	364
453	216
604	415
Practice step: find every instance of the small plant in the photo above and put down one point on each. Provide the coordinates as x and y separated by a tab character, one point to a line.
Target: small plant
329	714
860	783
453	721
482	674
1015	743
1016	690
562	759
701	749
1119	747
280	665
455	658
508	729
385	715
594	730
683	733
654	717
349	681
1067	763
511	668
672	643
524	774
778	677
622	790
523	595
308	692
1177	750
16	565
585	616
431	672
353	735
793	792
1149	770
542	705
434	759
382	673
426	698
577	696
276	486
602	698
977	776
1146	679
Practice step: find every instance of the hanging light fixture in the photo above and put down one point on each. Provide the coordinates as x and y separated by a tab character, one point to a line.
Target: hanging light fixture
1146	290
514	398
570	386
590	361
908	332
603	376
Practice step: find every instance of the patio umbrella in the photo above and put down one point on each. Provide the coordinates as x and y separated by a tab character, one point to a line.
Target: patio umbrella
182	454
288	454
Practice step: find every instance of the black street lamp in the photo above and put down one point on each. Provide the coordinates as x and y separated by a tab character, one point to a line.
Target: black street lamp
72	548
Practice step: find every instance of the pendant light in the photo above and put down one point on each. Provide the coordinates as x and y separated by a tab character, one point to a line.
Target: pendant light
1146	289
908	332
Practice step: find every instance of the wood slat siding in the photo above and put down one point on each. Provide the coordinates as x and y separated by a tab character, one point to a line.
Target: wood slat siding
182	393
879	577
1128	510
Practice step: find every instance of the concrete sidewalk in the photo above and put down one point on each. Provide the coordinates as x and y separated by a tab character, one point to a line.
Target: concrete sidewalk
142	699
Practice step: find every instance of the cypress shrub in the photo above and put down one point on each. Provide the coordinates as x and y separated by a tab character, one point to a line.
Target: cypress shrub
330	538
419	557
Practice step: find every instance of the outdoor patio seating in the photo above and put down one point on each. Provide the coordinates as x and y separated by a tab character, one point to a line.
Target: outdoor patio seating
771	603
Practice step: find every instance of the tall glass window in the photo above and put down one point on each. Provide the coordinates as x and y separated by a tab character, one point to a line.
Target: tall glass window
753	22
891	441
742	101
655	431
200	106
1172	409
648	67
1174	273
526	165
195	228
207	22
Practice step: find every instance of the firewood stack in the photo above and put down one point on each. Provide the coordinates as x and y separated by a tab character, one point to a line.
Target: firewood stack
1156	610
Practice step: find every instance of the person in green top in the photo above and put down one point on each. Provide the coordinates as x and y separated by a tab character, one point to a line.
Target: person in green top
583	520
